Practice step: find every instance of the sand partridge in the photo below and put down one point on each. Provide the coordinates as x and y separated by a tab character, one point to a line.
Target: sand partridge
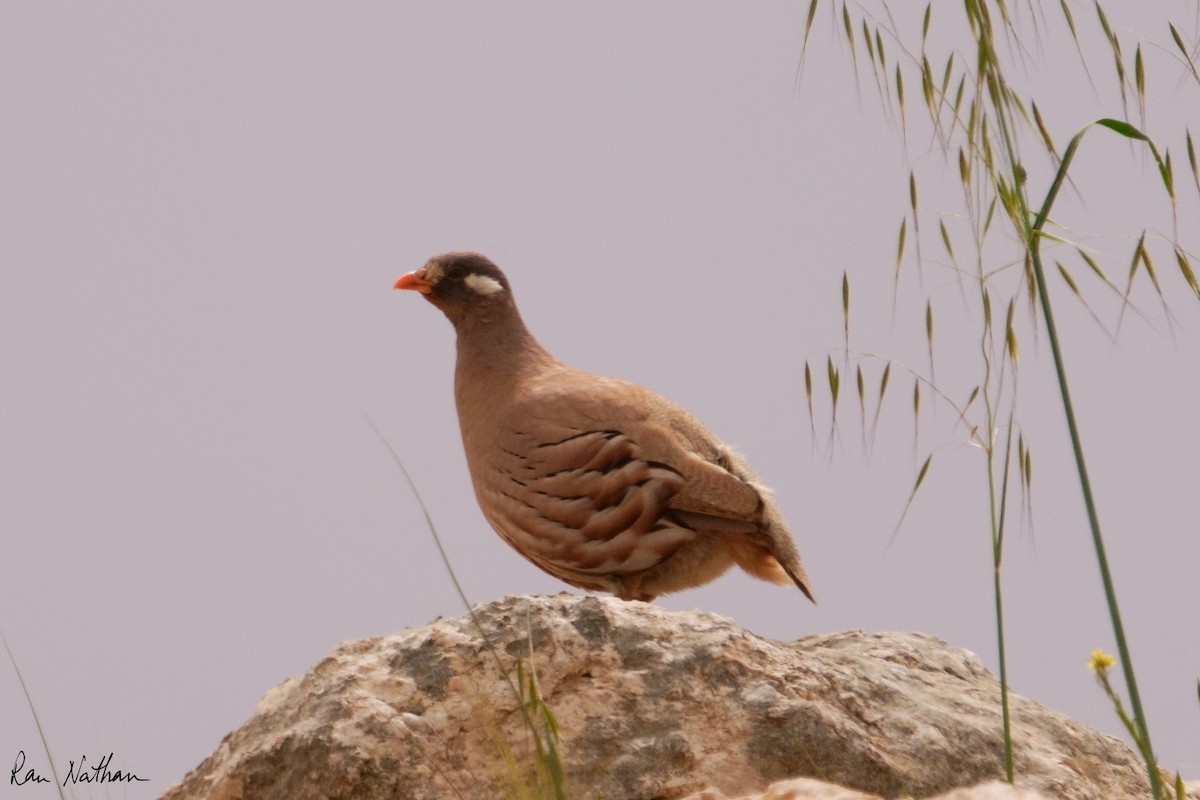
599	482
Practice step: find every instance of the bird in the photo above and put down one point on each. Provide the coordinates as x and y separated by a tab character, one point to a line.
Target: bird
601	483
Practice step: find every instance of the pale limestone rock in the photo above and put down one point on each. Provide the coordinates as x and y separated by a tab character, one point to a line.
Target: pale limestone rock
810	789
994	790
795	789
653	705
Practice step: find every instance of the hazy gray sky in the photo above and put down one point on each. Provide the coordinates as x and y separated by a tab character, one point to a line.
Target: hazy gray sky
205	206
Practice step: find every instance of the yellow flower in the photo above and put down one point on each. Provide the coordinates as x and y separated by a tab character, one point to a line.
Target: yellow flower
1101	661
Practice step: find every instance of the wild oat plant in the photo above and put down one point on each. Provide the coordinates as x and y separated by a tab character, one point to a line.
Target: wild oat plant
955	80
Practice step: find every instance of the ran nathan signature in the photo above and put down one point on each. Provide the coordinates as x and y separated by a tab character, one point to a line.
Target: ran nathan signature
80	772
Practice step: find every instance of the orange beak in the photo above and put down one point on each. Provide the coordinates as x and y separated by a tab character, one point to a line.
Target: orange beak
415	281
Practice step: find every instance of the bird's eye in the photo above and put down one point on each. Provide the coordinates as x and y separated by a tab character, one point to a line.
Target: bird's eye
455	273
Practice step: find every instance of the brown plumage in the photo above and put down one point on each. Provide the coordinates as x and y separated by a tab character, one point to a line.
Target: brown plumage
601	483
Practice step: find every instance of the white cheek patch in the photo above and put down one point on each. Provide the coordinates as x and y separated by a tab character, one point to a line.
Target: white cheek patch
482	284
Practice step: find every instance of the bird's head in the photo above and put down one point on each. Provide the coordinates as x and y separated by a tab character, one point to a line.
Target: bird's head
462	284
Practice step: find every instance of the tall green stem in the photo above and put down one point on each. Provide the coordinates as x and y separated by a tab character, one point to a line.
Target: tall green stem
997	554
996	519
1033	240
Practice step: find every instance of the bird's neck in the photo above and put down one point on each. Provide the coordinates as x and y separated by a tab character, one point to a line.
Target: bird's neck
494	357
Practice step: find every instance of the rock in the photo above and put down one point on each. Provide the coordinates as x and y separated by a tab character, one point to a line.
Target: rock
994	790
810	789
795	789
651	704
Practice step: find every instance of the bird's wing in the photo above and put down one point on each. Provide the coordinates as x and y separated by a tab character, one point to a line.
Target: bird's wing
643	435
581	501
